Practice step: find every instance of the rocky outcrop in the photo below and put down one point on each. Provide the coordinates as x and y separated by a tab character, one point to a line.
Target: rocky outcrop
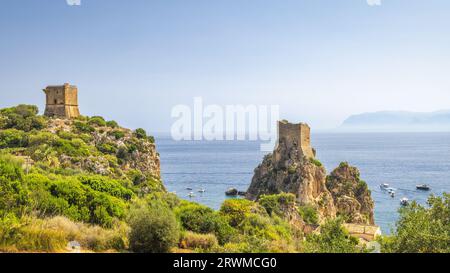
284	171
351	195
342	193
112	151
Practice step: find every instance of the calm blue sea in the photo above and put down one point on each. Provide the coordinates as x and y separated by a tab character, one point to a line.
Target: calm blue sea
401	159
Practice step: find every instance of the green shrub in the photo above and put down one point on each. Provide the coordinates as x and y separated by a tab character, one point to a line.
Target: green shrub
74	193
82	118
9	228
153	184
22	117
97	121
309	215
48	143
117	134
107	148
85	137
12	138
107	185
112	124
333	238
42	138
292	169
278	203
421	229
136	176
256	225
83	127
75	147
122	154
104	208
316	162
153	229
91	202
167	199
235	210
10	168
13	194
66	135
140	133
201	219
265	228
197	218
361	188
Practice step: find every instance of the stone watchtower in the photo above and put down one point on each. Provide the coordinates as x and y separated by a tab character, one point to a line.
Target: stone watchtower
296	136
62	101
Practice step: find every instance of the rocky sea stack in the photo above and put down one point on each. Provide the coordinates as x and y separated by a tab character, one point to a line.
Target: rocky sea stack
291	168
351	195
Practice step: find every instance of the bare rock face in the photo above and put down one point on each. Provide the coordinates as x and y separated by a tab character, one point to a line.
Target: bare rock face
351	195
283	171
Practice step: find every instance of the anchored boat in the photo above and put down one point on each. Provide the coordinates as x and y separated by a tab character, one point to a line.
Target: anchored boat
423	187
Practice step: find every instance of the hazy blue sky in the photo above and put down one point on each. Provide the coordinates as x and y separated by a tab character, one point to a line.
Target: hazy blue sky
320	60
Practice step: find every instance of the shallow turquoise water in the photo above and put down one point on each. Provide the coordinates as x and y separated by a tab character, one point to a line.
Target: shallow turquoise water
402	160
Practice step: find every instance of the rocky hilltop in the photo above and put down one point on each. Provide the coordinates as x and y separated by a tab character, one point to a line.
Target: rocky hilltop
288	169
119	150
82	144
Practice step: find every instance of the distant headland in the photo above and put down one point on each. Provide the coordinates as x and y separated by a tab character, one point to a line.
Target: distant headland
398	121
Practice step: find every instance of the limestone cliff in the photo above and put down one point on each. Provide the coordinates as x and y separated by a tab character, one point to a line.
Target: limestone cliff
351	195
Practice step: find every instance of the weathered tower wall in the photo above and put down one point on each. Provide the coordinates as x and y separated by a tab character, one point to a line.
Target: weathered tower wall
297	136
62	101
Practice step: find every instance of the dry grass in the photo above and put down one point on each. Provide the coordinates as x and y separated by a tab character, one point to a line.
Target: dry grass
54	234
191	240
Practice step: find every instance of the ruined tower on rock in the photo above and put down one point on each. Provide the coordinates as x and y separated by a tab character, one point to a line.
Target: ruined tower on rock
295	137
292	168
62	101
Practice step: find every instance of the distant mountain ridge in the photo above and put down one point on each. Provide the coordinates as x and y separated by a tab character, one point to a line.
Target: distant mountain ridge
398	121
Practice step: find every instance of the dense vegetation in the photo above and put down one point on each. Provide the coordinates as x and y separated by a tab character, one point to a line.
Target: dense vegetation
422	229
84	181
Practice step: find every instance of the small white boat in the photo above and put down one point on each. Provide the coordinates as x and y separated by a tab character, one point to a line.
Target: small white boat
384	186
404	201
201	190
